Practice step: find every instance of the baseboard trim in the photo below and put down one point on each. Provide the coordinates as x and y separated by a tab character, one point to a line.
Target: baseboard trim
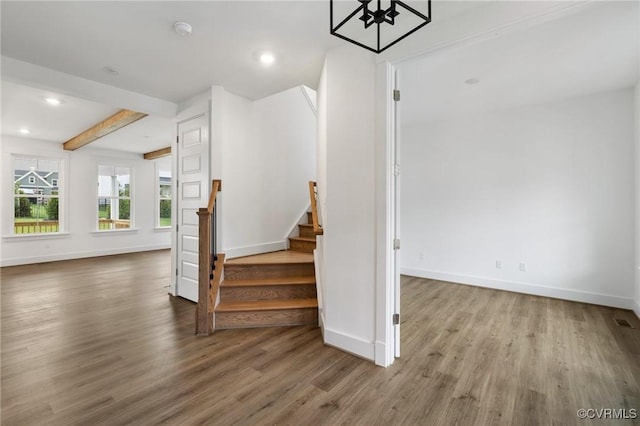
526	288
80	255
636	308
381	356
351	344
232	253
321	323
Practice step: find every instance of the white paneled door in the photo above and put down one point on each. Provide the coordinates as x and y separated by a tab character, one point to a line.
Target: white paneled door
193	193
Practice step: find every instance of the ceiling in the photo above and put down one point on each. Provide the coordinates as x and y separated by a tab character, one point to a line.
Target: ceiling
137	39
25	107
593	50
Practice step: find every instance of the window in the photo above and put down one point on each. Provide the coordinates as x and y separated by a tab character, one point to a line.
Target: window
54	182
36	202
114	198
164	197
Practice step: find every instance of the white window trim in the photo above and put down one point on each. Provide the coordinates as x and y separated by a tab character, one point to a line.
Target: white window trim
43	236
115	231
158	198
132	188
63	165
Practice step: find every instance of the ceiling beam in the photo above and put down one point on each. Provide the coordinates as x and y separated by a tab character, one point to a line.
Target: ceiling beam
120	119
158	153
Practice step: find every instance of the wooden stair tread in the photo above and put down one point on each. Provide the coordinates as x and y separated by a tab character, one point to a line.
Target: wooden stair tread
275	258
266	305
295	262
302	280
306	225
311	240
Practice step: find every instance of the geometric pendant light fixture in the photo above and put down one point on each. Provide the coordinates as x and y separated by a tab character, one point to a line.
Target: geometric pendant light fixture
377	25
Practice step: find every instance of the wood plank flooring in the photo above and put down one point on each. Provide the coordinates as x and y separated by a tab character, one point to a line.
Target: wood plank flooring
99	341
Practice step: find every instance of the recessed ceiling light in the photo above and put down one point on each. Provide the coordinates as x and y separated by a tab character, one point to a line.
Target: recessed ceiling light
182	28
471	81
25	131
52	101
111	70
267	58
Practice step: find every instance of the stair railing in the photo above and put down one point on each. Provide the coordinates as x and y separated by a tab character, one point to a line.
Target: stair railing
313	195
208	281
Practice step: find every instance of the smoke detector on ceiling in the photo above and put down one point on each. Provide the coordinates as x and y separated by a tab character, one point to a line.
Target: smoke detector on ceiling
182	28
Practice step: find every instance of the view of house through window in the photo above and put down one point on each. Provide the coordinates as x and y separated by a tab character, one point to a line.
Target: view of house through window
164	183
35	196
114	197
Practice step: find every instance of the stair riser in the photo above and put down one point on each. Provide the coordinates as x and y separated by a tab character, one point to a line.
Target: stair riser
306	232
248	272
282	317
267	292
309	217
304	246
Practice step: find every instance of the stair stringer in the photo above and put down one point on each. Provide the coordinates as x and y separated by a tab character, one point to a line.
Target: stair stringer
318	259
293	231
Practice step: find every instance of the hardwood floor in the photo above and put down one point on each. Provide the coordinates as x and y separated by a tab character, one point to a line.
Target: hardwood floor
99	341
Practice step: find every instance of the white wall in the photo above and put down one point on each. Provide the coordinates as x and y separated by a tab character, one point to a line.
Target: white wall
345	111
80	239
549	185
267	151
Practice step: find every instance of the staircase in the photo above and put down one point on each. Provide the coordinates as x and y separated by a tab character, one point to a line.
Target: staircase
272	289
306	241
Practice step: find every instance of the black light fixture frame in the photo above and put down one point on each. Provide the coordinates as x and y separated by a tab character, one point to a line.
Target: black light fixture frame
378	17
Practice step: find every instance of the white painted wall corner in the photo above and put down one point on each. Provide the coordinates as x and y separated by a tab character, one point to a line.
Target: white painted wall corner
351	344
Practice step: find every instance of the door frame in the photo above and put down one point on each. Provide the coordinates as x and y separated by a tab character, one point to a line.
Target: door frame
175	199
173	286
386	266
396	160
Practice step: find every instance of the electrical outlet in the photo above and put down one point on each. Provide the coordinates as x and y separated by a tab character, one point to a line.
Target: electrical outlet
498	264
523	267
421	256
